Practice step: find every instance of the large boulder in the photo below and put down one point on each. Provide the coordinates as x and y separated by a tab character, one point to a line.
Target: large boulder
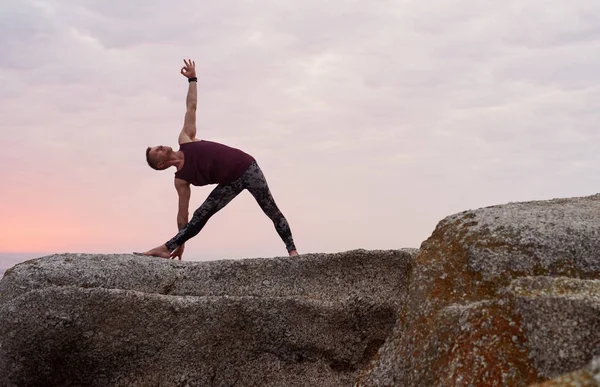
499	296
124	320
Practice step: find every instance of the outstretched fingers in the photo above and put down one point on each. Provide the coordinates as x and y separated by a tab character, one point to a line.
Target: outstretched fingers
189	63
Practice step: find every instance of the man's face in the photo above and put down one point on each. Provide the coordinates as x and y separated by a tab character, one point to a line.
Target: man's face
160	154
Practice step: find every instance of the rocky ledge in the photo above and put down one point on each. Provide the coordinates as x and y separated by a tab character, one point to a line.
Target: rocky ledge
124	320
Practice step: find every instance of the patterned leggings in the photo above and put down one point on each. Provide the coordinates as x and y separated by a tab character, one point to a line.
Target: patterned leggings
254	181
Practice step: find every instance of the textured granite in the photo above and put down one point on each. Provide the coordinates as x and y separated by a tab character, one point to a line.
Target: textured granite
466	322
588	376
124	320
506	295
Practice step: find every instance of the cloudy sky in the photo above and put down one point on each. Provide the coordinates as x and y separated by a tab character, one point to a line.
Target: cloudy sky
372	120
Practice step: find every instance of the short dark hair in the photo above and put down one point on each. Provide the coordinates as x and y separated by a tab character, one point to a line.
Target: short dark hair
151	162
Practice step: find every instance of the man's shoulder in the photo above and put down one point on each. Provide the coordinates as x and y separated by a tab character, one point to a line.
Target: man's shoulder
185	139
190	146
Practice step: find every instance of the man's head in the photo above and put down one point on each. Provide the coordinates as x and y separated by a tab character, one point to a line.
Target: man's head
158	157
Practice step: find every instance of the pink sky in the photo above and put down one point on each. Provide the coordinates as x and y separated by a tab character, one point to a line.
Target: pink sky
371	120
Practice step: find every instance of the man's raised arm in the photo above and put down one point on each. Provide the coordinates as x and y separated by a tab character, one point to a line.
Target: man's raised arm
188	133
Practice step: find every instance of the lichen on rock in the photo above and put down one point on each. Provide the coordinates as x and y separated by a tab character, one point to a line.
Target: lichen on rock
462	324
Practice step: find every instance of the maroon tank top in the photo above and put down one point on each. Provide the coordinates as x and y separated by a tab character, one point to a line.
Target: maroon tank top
208	162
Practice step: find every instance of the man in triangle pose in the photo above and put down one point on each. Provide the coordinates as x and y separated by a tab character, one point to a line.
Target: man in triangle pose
202	162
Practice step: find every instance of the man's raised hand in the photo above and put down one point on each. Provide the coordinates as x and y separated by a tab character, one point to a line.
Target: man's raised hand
189	70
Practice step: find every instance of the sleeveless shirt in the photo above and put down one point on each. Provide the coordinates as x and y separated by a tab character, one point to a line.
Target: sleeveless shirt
208	162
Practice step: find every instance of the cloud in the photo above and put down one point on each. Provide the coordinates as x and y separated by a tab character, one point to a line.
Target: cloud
397	111
23	26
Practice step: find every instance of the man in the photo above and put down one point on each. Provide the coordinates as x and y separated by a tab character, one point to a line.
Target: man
202	162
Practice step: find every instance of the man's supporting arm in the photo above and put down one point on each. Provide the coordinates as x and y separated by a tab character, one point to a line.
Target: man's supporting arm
184	193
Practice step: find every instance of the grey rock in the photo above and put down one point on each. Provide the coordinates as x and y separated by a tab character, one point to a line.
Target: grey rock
309	275
462	324
561	318
123	320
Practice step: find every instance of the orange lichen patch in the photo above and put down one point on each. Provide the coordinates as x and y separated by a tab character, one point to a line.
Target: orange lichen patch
446	252
491	350
485	347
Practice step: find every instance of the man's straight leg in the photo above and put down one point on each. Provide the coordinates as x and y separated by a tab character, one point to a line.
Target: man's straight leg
218	198
255	182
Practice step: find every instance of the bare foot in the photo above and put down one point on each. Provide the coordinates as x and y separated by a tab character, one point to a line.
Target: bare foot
293	253
160	251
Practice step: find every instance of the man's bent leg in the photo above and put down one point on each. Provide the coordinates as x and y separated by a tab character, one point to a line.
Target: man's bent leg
217	199
255	182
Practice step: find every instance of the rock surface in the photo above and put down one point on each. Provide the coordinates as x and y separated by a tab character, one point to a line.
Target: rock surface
503	295
561	319
588	376
506	295
124	320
